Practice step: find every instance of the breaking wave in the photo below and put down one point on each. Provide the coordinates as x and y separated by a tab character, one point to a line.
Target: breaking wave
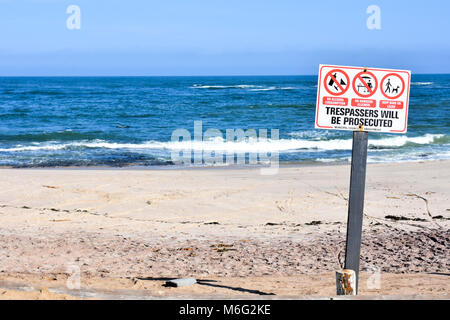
247	145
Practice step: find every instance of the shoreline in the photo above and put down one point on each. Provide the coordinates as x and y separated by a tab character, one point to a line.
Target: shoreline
184	167
170	167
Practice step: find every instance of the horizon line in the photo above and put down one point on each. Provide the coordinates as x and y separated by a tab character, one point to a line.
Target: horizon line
208	75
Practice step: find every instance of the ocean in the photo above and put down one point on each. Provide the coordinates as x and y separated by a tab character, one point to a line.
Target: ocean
129	121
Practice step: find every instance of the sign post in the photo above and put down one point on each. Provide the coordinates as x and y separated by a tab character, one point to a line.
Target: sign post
361	100
356	202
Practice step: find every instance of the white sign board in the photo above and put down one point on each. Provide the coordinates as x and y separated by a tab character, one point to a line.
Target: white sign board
351	97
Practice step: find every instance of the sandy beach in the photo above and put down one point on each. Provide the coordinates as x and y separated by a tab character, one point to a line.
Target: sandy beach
243	234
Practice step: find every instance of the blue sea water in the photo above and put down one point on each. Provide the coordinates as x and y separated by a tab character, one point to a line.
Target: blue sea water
122	121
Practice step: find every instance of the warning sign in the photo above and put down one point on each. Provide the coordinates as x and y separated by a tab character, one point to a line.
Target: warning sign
365	84
336	82
353	98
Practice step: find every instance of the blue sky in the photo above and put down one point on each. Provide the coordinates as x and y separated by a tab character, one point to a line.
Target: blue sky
220	37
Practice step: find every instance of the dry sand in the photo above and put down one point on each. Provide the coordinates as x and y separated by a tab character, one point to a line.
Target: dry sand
242	233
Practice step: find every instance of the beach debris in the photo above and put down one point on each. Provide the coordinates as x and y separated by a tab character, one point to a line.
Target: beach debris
222	247
339	194
272	224
60	220
313	223
424	199
402	218
213	222
440	217
346	283
180	282
224	250
50	187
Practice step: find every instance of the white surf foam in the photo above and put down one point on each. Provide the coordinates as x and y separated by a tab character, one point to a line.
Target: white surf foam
236	86
248	145
250	87
273	88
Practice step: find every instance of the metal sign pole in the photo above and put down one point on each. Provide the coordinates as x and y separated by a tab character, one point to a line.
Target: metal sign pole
356	202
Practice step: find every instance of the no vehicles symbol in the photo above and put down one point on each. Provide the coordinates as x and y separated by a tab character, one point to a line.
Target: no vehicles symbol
365	84
336	82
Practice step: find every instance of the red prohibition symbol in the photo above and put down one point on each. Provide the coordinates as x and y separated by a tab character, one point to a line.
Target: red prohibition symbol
332	81
393	89
367	86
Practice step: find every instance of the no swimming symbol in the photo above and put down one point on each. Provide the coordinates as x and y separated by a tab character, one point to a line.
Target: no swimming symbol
365	84
336	82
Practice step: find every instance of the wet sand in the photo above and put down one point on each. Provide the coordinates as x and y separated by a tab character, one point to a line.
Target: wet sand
126	231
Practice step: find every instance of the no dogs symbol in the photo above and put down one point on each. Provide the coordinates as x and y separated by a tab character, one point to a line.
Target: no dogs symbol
365	84
336	82
392	86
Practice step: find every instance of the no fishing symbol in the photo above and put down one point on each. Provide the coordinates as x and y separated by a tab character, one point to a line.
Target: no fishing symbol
336	82
365	84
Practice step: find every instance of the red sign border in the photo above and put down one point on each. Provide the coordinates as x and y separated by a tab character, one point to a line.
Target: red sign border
359	68
401	92
357	76
346	76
